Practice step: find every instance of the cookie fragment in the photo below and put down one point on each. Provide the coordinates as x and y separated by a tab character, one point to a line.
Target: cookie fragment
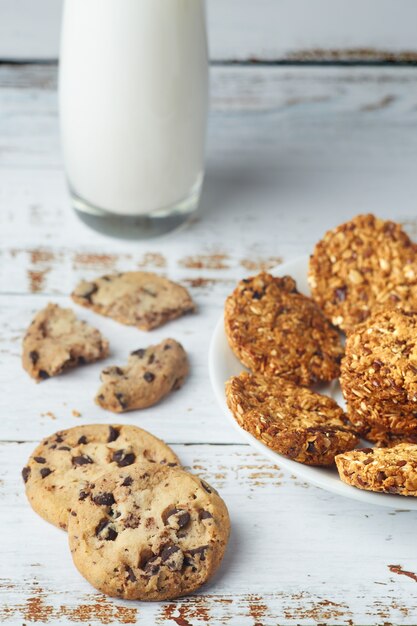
388	470
294	421
278	332
379	377
139	548
140	299
61	466
56	341
360	266
150	375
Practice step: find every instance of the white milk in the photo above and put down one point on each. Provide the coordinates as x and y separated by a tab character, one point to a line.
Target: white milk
133	102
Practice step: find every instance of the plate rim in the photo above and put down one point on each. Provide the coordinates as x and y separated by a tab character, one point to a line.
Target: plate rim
304	472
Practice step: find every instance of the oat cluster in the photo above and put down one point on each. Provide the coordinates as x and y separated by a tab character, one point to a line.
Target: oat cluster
296	422
278	332
361	266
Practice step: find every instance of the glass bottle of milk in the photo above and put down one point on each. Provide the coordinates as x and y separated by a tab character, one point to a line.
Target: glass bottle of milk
133	92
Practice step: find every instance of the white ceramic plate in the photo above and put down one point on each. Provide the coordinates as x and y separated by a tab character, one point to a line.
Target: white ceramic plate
223	364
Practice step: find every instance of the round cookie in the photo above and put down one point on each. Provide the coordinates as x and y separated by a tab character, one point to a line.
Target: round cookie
276	331
390	470
379	377
148	533
360	266
65	462
294	421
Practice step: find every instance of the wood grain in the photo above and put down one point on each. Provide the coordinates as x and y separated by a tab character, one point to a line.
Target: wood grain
242	30
291	152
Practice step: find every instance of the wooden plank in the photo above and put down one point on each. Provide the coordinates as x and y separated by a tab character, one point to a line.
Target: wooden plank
289	541
247	30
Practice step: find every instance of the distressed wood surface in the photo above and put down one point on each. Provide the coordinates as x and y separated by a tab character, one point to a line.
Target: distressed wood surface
291	152
242	30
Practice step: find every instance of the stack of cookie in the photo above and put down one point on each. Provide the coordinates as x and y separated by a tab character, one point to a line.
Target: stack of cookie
57	341
139	526
363	278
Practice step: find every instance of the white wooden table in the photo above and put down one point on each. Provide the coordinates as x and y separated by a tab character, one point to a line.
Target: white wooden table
291	152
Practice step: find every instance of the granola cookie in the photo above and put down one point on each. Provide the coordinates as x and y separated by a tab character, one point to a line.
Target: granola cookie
56	341
276	331
140	299
390	470
359	267
379	377
61	466
294	421
150	374
148	533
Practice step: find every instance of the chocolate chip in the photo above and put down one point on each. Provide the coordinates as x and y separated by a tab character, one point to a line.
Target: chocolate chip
42	374
83	495
401	463
34	356
81	360
130	574
121	400
198	552
206	486
167	346
340	293
152	566
381	476
39	459
140	353
45	471
82	460
167	551
311	447
104	499
111	534
82	440
204	514
257	295
113	434
177	518
172	557
123	459
127	481
149	377
366	450
25	474
67	448
59	438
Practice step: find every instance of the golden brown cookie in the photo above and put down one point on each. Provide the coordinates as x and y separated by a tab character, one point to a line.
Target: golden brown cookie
56	341
390	470
379	377
140	299
360	266
148	533
278	332
62	465
150	375
294	421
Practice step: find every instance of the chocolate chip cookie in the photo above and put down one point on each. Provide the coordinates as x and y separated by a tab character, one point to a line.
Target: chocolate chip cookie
140	299
56	341
148	533
379	377
296	422
390	470
62	464
150	374
360	266
278	332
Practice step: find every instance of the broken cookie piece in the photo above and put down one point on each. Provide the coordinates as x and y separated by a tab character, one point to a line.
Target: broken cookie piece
296	422
140	299
150	374
56	341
